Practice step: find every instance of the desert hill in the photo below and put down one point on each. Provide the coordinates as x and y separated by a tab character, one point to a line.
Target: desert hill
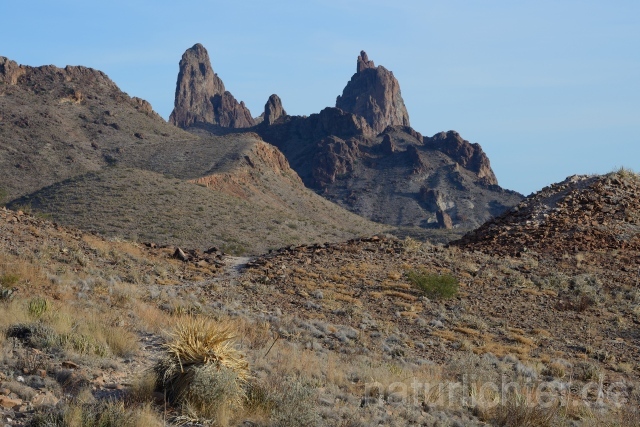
253	203
59	122
73	146
588	222
362	154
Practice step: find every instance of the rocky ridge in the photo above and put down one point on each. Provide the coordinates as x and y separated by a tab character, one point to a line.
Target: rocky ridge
56	123
581	215
201	95
364	156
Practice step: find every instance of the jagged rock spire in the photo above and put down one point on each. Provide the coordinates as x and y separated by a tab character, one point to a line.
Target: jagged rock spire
273	110
374	93
202	97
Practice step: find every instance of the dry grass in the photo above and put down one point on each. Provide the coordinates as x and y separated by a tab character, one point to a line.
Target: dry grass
203	372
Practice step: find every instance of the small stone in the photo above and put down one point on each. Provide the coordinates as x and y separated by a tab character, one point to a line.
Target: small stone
179	254
69	364
45	399
8	403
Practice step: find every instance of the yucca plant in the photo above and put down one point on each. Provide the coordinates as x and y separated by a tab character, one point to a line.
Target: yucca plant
203	373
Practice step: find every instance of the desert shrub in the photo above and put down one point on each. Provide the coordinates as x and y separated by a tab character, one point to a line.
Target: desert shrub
516	411
586	371
9	280
35	335
294	405
202	372
434	285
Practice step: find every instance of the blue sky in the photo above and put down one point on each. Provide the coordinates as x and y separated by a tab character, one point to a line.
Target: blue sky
548	88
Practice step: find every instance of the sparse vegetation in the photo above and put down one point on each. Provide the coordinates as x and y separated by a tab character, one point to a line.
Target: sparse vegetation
332	334
434	285
202	372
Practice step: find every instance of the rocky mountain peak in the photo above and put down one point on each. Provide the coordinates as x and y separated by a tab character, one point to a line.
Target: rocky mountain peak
374	93
364	62
273	110
202	97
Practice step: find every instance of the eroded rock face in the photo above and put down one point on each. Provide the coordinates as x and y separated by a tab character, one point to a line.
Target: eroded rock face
202	97
10	71
374	93
333	158
273	110
469	156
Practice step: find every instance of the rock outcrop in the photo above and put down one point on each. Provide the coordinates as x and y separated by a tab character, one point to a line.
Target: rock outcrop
469	156
374	93
582	214
10	71
335	157
444	220
273	110
202	97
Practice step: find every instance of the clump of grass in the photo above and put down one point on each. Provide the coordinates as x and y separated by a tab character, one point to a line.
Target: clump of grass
38	307
294	404
517	411
203	372
99	414
436	286
9	280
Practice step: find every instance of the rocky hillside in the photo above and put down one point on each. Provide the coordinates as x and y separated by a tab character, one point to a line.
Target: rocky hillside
73	146
245	201
336	334
56	123
587	222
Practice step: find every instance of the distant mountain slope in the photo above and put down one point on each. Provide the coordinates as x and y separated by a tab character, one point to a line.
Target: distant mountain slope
363	155
397	177
56	123
73	146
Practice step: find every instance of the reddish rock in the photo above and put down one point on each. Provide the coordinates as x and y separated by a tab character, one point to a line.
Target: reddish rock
202	97
7	402
374	93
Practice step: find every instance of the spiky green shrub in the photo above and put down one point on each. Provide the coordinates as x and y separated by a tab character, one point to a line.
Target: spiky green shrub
434	285
202	372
